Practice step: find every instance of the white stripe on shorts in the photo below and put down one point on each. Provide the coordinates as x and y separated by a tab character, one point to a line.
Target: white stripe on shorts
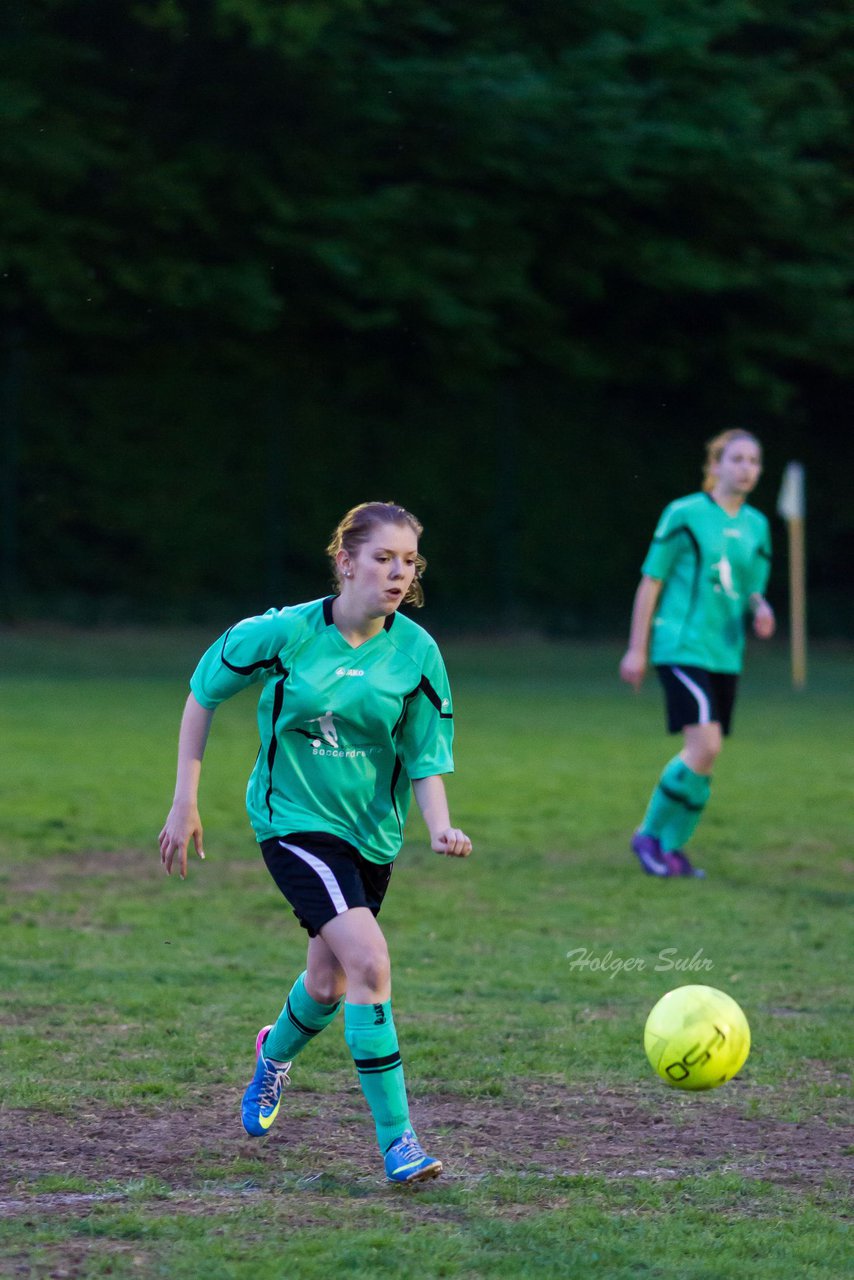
703	708
330	883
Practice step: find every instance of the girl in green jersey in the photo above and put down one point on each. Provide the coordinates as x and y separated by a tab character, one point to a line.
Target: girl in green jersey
704	576
354	714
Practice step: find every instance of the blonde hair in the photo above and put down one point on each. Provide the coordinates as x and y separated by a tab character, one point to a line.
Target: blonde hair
717	447
356	528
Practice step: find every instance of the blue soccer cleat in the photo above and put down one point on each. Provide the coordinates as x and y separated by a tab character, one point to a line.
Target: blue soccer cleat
263	1094
649	855
678	865
405	1161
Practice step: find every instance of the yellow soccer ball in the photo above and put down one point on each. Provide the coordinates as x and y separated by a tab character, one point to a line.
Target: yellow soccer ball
696	1038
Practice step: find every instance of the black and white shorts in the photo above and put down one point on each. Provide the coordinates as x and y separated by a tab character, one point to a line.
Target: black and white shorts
322	876
695	696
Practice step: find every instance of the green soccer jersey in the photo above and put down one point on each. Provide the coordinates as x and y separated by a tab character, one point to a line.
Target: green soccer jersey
710	564
343	730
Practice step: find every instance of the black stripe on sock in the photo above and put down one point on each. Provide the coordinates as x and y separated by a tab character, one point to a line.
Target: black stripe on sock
674	795
370	1066
300	1026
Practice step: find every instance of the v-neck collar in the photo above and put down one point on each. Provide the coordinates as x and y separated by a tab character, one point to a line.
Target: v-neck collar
330	622
726	514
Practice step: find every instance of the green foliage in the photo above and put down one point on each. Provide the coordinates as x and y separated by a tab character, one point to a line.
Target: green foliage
257	241
487	181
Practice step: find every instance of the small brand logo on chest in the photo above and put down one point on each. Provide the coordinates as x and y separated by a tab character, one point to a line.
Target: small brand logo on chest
349	671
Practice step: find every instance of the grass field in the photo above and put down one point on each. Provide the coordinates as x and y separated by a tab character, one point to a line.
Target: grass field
522	978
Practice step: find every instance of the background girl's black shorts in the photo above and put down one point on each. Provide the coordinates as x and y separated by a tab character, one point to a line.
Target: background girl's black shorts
696	696
321	876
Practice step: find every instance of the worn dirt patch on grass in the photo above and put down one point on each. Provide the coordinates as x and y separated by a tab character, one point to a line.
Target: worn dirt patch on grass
549	1130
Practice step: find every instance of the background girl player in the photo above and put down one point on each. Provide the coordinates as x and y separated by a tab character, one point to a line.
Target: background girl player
704	574
354	714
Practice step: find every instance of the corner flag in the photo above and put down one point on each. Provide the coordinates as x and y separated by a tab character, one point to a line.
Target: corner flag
791	506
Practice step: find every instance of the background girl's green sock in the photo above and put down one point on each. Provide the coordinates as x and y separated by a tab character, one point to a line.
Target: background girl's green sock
676	804
689	793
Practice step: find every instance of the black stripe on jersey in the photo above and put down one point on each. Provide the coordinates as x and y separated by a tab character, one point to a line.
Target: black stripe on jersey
407	698
426	687
278	699
373	1066
274	663
698	562
682	528
395	777
431	693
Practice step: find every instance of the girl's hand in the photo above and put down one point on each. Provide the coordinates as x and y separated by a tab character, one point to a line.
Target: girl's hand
452	842
633	668
182	826
764	622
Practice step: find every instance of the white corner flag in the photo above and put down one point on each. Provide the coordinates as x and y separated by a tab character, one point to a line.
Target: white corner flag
791	506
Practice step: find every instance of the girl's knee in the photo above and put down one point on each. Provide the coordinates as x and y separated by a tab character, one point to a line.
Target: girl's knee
327	988
701	750
374	969
325	983
702	760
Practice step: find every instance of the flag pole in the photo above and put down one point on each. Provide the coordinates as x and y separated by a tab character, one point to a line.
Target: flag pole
791	506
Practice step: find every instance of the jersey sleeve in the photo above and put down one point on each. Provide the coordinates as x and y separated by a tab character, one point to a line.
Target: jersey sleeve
243	655
667	542
760	568
428	727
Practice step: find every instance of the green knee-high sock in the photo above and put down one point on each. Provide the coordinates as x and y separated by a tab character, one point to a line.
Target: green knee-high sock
299	1022
691	795
661	804
677	804
372	1040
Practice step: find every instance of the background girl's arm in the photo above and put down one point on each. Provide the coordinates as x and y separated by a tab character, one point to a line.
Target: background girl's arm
636	659
764	622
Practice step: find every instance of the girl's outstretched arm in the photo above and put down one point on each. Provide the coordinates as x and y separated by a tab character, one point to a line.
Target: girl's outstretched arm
184	823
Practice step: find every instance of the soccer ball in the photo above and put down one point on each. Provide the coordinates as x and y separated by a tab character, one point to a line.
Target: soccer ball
696	1038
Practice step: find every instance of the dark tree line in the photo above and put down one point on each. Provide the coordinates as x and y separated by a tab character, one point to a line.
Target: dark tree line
508	263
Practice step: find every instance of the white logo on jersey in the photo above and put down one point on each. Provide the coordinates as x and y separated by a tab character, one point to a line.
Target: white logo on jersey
329	744
349	671
326	727
725	583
